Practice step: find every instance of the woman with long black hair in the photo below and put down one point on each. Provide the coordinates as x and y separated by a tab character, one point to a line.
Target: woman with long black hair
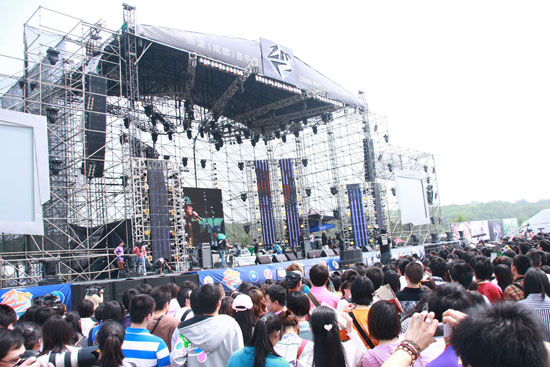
110	338
328	350
259	352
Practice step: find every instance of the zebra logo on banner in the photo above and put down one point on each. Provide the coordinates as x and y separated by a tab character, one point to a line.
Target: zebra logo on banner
278	61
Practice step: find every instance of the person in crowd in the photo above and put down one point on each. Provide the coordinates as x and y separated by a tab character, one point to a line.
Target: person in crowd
503	276
298	304
110	338
184	299
345	288
501	335
361	296
275	299
161	324
244	315
384	325
126	297
145	288
207	339
77	337
328	350
293	281
461	273
520	266
8	317
258	300
32	333
226	306
119	253
56	337
86	311
319	294
140	347
292	347
483	270
376	276
412	293
111	310
537	292
260	351
401	265
12	347
174	304
392	278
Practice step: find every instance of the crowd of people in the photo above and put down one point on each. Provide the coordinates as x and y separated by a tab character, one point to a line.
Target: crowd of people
484	305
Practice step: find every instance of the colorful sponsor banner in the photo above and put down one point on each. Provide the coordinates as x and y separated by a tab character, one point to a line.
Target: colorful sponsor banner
231	278
20	299
509	226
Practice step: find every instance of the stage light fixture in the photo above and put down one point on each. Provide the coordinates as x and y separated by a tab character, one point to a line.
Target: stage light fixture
304	121
336	213
154	136
33	85
55	165
201	133
239	139
246	228
243	196
148	109
240	165
217	146
386	138
246	134
126	121
278	134
304	162
428	180
51	114
297	133
380	157
189	134
203	163
333	190
166	157
393	191
308	192
184	161
52	56
390	167
170	135
375	128
283	138
314	128
253	142
426	168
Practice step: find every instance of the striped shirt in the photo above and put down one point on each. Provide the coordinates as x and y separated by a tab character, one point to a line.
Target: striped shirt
541	308
144	349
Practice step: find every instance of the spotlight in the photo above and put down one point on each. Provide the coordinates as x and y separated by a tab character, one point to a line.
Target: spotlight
55	165
189	134
170	135
126	120
184	161
333	190
246	228
154	136
297	133
217	146
390	167
243	196
253	142
428	180
52	56
51	114
246	134
304	121
304	162
308	192
393	191
283	138
278	134
239	139
203	163
379	157
166	157
375	128
240	165
426	168
148	110
33	85
336	213
314	128
386	138
201	132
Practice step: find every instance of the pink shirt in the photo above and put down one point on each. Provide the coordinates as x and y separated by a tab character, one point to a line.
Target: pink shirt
324	295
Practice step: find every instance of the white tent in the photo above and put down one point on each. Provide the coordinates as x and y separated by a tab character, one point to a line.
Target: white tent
539	220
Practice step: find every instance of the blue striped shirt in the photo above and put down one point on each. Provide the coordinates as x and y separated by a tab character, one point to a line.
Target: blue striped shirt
145	349
541	308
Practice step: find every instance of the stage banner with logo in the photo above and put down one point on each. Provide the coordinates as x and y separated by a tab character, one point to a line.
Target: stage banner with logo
20	299
231	278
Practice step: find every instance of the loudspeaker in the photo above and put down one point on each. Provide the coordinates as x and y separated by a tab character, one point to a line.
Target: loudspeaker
378	206
290	256
435	237
179	279
368	159
95	119
449	236
263	259
461	234
327	252
350	257
120	286
279	258
158	280
50	268
205	256
313	254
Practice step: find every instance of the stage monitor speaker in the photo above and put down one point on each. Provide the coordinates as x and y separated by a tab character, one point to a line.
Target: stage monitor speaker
205	256
279	258
313	254
158	280
449	236
327	252
414	239
435	237
179	279
290	256
351	257
263	259
122	285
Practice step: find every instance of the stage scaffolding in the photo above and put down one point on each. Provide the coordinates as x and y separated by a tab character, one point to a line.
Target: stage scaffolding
87	215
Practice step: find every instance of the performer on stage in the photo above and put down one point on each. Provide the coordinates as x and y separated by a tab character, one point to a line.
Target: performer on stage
141	252
223	245
385	247
192	225
119	253
161	264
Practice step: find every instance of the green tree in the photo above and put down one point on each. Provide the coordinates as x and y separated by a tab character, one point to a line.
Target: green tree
460	218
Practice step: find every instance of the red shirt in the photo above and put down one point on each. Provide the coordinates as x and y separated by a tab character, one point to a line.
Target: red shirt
490	290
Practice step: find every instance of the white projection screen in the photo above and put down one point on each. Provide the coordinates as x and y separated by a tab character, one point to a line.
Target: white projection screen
411	198
24	180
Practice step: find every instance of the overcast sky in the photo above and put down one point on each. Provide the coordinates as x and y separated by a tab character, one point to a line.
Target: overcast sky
468	81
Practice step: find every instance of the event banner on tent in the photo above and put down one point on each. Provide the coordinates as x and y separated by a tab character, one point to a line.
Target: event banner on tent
20	299
231	278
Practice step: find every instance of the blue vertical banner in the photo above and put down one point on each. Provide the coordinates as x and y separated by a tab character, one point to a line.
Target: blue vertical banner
358	220
265	202
291	202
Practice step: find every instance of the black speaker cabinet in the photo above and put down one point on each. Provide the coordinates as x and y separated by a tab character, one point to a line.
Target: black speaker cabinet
279	258
313	254
350	257
205	257
263	259
328	252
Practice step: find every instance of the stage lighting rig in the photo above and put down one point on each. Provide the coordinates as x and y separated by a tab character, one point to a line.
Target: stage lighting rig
189	134
426	168
126	121
244	196
387	138
240	165
51	114
246	228
203	163
148	109
304	162
154	135
333	190
390	167
184	161
55	165
314	128
393	191
239	139
283	138
308	192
